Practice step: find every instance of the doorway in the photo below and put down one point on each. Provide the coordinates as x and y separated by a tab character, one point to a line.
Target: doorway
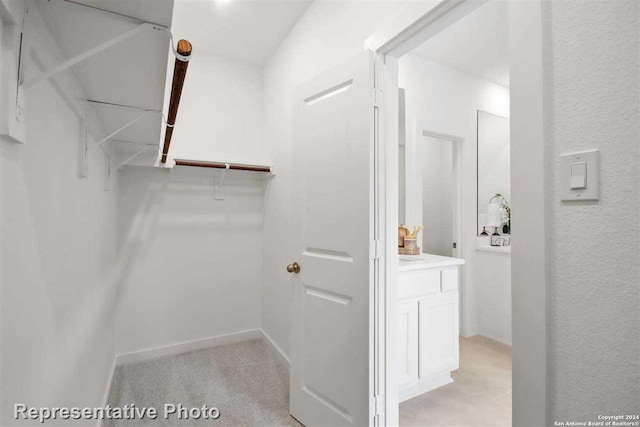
391	44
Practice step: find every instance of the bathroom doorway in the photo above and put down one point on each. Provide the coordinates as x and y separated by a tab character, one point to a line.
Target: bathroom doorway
454	372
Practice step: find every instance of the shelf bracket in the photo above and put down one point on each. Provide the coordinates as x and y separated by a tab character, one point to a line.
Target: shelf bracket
107	172
218	186
129	123
142	150
83	149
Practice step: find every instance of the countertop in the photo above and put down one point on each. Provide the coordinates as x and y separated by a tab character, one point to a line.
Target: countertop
424	261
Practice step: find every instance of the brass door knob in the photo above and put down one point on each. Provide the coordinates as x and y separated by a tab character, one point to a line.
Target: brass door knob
293	268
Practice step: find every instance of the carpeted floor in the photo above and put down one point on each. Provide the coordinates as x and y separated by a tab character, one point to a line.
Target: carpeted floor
480	394
244	381
251	388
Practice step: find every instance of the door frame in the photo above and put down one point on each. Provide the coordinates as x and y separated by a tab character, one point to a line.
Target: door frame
421	131
418	22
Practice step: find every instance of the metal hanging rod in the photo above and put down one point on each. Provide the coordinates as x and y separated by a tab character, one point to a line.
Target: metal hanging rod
216	165
183	55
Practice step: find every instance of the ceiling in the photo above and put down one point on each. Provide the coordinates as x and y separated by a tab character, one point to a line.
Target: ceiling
247	31
477	44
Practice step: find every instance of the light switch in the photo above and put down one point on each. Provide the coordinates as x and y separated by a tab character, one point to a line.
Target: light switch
578	176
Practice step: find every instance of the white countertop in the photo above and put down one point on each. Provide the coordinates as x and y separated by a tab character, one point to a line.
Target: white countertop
424	261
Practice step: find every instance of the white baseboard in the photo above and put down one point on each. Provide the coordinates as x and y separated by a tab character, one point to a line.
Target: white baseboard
105	398
284	359
185	347
419	387
501	341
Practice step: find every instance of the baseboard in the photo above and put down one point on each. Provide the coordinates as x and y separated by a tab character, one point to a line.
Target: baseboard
276	350
508	344
105	398
423	386
185	347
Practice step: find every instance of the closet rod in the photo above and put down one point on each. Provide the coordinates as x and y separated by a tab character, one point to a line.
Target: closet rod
233	166
179	73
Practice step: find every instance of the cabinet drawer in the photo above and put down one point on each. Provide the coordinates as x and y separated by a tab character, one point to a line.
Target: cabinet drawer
418	283
449	279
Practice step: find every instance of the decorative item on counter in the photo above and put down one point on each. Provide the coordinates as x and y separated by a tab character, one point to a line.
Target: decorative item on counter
402	233
410	242
496	239
484	232
499	213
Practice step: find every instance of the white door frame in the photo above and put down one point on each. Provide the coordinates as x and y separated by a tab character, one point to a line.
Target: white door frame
417	23
421	131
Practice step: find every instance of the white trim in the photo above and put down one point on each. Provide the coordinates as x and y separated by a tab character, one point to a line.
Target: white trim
187	346
422	387
107	390
284	359
498	340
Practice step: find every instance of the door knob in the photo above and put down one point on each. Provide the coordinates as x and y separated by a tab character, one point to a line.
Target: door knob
293	268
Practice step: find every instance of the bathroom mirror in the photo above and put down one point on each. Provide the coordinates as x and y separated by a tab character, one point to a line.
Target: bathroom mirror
493	173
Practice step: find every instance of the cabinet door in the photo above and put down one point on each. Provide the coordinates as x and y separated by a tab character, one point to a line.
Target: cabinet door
408	342
438	335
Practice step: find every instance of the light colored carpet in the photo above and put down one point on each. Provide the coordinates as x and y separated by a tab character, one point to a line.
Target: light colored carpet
479	396
244	381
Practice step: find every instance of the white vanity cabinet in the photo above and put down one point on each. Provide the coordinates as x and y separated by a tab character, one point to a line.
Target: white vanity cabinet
427	327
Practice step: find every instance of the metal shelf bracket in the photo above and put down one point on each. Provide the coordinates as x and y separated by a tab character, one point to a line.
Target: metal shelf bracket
218	186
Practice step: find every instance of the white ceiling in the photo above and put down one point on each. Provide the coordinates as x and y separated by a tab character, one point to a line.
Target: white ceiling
248	31
478	44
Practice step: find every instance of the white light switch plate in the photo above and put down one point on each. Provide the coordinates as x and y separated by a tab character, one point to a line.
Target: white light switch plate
569	162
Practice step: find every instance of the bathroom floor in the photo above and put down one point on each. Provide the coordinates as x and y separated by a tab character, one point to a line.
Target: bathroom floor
480	394
244	381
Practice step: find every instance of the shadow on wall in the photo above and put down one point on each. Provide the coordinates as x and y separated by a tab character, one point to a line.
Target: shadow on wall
185	257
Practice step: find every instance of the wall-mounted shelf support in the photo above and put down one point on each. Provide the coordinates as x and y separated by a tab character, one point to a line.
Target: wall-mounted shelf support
218	186
88	54
129	123
83	150
142	150
107	172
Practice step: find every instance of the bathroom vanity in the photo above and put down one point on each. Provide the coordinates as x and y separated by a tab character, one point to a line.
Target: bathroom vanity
427	322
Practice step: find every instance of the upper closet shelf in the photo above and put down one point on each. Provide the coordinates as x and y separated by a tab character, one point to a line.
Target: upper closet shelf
117	53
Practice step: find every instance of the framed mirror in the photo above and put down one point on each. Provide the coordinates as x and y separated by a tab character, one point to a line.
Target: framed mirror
494	192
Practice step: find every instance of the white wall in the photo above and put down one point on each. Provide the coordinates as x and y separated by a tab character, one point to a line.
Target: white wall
493	296
445	100
594	279
220	116
195	262
328	34
58	244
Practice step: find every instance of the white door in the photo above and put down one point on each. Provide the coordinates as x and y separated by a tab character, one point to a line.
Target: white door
332	195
